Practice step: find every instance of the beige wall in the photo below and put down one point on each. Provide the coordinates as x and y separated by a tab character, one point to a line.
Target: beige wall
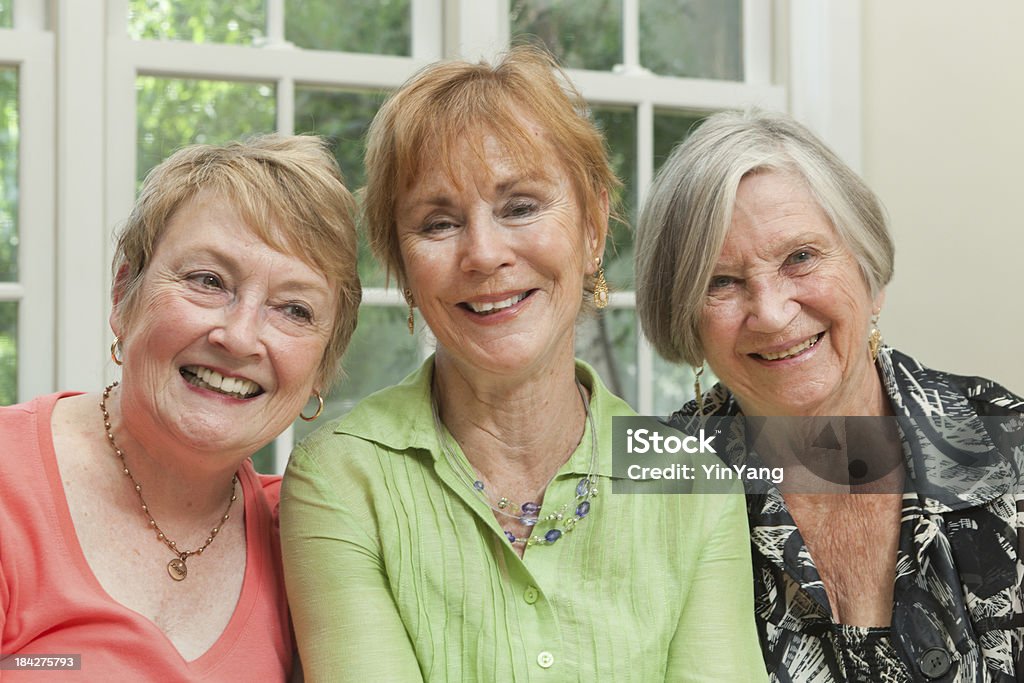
943	141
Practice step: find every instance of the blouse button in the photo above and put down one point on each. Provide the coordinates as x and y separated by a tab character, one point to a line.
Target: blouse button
545	659
934	663
530	595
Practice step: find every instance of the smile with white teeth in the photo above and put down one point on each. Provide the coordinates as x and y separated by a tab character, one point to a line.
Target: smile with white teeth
793	350
491	308
236	387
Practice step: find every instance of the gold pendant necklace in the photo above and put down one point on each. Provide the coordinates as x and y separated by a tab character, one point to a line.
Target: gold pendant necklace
176	568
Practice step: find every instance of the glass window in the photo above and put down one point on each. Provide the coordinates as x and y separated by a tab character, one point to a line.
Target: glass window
670	128
372	26
198	21
608	342
619	127
5	14
173	112
343	117
8	352
581	35
673	385
366	368
8	175
693	38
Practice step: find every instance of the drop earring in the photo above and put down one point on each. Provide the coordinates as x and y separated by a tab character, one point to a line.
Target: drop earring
411	320
600	286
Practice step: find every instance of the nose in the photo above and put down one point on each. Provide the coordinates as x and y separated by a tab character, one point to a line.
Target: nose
771	306
240	330
485	246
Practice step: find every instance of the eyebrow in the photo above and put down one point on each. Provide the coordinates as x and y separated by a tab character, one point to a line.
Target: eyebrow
232	263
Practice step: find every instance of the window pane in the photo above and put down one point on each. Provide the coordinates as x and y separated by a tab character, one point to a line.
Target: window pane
374	26
673	385
694	38
381	353
671	128
5	14
198	21
343	117
619	127
581	35
8	175
608	342
8	352
174	112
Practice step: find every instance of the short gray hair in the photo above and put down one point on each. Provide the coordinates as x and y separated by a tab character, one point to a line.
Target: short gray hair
688	212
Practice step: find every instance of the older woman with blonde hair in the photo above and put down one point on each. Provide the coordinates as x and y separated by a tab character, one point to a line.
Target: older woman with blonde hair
761	254
458	526
134	533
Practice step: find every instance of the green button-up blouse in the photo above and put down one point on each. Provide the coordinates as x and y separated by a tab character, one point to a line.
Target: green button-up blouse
397	570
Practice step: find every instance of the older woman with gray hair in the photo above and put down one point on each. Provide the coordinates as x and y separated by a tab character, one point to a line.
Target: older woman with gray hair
761	254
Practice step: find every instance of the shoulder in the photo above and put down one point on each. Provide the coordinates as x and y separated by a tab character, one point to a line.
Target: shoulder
907	380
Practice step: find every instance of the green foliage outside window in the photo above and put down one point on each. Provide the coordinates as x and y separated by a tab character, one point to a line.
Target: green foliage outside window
238	22
173	112
6	20
8	230
382	27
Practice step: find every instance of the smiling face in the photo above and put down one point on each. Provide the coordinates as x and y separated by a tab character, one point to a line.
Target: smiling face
495	258
222	350
786	322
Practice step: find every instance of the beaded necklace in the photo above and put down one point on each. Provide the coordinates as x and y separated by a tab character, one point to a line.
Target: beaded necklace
528	513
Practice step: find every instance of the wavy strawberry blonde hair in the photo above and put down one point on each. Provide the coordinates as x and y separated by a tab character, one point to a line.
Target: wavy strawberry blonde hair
434	113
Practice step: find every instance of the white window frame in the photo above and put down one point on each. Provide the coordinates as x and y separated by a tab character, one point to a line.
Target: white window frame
812	47
29	48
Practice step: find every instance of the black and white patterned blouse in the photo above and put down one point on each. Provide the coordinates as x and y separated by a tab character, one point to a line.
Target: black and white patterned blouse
957	604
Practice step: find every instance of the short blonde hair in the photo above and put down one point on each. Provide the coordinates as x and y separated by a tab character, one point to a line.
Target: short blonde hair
289	192
688	213
426	120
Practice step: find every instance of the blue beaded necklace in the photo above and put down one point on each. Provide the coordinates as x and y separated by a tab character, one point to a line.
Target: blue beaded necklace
529	513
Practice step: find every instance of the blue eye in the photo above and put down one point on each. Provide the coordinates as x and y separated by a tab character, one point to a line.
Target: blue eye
800	256
720	282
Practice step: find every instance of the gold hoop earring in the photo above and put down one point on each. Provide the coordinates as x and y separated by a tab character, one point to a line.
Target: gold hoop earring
115	346
411	320
696	389
319	408
874	339
600	286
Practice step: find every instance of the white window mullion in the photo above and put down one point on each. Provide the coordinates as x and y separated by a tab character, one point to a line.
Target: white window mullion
83	334
427	30
630	39
275	22
757	41
29	15
475	29
36	153
285	106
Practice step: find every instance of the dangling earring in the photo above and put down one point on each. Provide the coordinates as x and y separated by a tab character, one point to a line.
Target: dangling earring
600	286
411	320
696	389
874	339
115	346
319	408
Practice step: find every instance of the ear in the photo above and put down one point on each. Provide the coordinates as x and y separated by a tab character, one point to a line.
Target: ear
597	234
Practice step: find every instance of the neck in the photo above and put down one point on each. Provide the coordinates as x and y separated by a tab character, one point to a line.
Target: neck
176	492
529	425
